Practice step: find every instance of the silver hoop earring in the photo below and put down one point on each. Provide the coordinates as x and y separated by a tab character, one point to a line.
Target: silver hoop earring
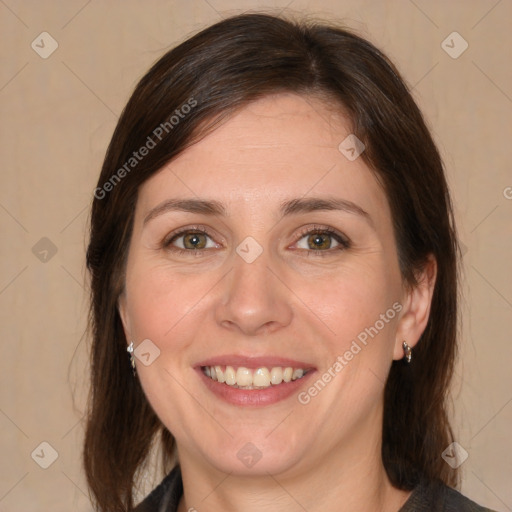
407	352
129	349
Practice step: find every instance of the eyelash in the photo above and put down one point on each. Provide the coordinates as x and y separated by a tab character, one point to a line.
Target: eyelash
325	230
203	230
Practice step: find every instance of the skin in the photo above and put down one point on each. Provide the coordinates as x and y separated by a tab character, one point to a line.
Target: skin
290	302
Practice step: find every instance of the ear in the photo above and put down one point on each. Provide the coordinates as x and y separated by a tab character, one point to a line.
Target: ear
123	313
417	301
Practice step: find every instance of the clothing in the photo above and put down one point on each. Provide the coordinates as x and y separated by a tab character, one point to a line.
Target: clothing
433	497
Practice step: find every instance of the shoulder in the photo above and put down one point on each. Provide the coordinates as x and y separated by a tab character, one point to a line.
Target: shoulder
436	496
166	496
426	497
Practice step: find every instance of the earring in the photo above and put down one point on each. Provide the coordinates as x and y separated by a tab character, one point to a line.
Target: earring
129	349
407	352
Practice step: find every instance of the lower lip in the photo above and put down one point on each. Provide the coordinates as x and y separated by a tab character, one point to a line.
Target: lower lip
254	397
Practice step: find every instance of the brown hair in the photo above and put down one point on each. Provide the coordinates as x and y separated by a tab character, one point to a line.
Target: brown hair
221	69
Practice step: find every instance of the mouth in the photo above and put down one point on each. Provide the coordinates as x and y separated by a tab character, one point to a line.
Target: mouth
254	381
260	378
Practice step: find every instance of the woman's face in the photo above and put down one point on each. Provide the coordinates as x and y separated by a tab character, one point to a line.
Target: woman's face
265	247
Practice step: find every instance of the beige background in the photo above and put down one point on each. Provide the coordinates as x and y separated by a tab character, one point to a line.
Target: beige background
57	115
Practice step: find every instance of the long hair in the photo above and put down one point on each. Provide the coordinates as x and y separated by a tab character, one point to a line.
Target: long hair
186	93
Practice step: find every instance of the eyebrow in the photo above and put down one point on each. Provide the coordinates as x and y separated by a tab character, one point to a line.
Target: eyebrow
287	208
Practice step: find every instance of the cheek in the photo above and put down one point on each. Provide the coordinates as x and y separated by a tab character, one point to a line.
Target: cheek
350	298
356	304
158	300
161	308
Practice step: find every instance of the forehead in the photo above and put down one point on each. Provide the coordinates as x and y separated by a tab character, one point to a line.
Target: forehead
275	148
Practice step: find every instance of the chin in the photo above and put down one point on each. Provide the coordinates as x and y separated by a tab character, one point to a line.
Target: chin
257	457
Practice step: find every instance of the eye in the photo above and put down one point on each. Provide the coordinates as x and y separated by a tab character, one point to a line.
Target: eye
189	240
321	239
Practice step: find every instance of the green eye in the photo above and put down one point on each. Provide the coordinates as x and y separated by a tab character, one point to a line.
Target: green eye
322	240
319	241
194	240
189	240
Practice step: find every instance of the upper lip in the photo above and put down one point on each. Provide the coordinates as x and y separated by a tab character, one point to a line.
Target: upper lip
254	362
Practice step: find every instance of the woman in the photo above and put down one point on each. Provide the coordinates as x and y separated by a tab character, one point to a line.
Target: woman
272	241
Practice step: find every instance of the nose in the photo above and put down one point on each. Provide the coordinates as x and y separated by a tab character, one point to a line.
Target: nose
254	299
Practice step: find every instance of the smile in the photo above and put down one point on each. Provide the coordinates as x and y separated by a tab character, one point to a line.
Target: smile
259	378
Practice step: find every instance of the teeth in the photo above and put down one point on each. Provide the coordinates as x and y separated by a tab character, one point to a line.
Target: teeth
244	376
276	376
297	373
253	379
261	377
230	376
220	374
